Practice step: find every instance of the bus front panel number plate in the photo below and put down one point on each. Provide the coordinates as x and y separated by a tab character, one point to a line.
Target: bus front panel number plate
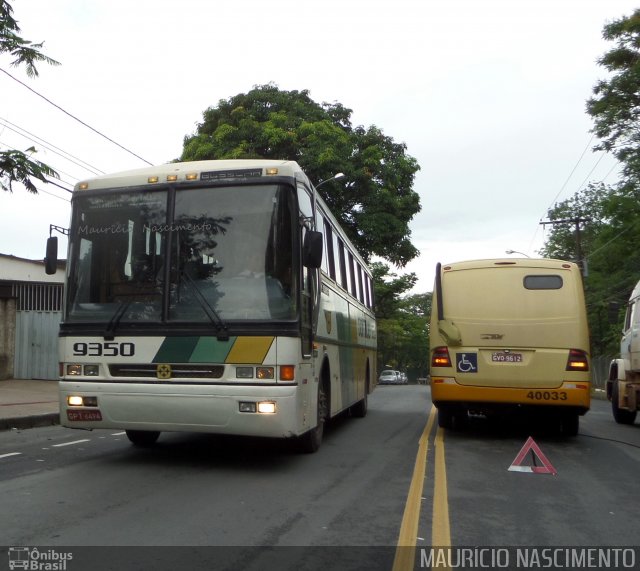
84	415
502	357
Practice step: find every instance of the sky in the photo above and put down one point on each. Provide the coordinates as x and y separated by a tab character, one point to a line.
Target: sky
489	97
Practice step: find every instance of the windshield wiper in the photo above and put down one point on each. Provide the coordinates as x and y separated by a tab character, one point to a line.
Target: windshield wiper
221	327
109	332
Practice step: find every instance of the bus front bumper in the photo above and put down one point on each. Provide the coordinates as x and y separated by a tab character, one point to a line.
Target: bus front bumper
219	409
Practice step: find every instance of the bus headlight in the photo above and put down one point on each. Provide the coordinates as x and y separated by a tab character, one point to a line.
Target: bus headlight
77	400
77	370
267	407
265	372
244	372
74	370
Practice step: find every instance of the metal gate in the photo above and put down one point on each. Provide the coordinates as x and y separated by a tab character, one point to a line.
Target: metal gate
38	316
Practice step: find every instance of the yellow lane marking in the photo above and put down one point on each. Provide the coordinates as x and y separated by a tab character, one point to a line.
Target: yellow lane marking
406	548
440	526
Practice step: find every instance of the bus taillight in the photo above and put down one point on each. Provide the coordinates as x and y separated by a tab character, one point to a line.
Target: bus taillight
577	360
441	357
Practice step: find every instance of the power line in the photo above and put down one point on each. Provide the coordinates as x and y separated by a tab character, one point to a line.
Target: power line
572	171
590	172
56	169
49	181
75	118
631	226
49	146
54	195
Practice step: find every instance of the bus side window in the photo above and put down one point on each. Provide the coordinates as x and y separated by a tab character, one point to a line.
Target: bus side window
328	234
321	224
336	255
343	266
352	275
629	318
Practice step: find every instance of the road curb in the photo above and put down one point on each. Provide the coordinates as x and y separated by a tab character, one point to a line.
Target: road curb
32	421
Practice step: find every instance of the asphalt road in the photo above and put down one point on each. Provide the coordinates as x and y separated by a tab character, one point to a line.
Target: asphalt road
347	507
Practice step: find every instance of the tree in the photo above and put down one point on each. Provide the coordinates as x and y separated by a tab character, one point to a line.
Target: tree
16	166
378	201
403	322
615	106
609	239
609	246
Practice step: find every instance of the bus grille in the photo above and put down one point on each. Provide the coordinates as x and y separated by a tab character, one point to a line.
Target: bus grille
178	371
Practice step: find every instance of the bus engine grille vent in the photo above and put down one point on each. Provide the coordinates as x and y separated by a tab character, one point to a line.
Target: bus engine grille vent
178	371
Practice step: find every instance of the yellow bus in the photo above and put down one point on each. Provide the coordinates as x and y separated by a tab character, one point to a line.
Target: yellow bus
510	335
212	296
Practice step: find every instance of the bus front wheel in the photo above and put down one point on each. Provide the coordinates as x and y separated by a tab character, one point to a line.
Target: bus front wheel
142	438
310	441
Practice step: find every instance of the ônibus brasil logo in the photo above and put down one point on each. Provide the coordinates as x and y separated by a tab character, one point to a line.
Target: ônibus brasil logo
34	559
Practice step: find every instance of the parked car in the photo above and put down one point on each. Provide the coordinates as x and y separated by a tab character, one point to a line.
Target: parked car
389	377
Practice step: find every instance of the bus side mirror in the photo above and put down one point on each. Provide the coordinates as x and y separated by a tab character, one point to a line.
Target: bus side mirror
312	249
51	258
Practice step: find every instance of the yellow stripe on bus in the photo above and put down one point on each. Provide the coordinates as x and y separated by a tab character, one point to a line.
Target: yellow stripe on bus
249	350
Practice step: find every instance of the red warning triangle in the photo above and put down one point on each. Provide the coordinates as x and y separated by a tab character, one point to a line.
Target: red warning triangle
530	446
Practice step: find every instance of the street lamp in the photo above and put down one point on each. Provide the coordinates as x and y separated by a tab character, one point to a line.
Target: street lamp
334	177
516	252
315	188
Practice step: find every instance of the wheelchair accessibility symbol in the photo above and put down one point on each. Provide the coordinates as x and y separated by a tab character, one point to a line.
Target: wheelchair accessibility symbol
467	362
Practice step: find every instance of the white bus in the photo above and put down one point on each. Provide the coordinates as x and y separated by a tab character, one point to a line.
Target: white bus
212	296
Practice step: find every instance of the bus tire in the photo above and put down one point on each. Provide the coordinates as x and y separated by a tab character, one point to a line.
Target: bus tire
310	441
445	418
570	424
359	410
620	415
142	438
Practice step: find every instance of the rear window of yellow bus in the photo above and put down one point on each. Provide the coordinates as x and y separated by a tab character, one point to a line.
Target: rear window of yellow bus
508	294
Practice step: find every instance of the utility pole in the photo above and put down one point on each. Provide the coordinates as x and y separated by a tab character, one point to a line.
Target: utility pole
577	221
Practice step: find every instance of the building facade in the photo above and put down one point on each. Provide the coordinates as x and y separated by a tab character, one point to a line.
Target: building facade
30	314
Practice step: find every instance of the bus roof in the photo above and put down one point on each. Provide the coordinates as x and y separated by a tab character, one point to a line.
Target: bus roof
215	169
548	263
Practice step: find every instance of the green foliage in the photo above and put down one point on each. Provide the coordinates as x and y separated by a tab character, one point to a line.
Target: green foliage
609	240
609	246
376	203
16	166
21	168
403	323
587	204
615	106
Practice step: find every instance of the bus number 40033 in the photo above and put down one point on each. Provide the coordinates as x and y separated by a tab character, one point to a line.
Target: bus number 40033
547	395
107	349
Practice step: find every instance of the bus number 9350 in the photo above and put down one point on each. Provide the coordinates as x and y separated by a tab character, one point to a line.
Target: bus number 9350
108	349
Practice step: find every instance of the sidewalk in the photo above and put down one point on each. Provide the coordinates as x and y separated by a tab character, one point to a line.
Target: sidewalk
27	403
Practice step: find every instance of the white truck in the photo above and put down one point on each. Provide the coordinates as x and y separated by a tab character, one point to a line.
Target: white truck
623	384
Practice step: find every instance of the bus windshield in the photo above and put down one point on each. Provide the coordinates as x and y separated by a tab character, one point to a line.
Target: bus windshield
189	255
